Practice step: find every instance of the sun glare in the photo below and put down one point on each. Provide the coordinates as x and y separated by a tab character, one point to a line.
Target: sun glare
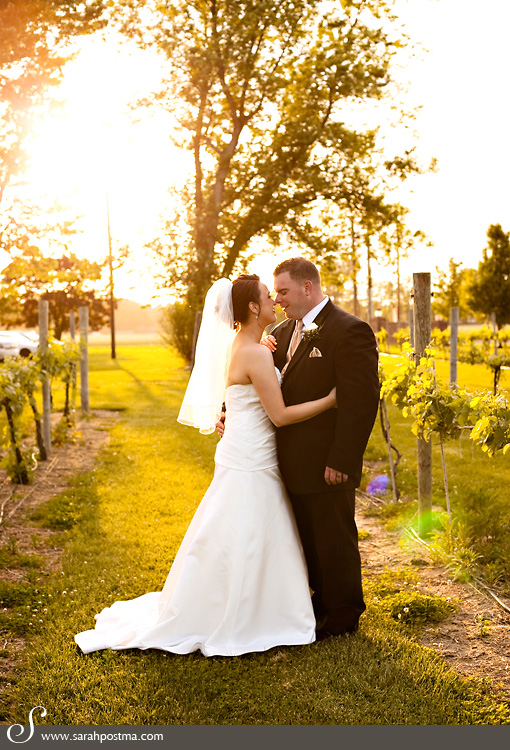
93	146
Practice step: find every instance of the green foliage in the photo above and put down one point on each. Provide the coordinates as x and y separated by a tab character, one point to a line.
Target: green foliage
402	336
11	558
491	429
440	341
489	290
363	534
396	593
476	535
475	542
382	339
57	359
451	290
13	594
63	432
66	283
415	608
20	377
178	327
19	463
395	386
436	408
260	88
452	546
444	410
484	519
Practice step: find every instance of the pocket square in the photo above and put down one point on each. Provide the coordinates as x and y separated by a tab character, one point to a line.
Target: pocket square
315	352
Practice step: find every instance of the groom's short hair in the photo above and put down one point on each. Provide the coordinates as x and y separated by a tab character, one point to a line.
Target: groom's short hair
299	269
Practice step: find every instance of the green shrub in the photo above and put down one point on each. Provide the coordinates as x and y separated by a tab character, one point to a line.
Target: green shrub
485	520
178	326
14	594
415	608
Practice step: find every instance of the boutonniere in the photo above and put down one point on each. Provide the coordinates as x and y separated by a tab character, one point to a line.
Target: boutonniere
311	332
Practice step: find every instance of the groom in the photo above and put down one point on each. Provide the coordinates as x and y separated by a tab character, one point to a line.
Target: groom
320	346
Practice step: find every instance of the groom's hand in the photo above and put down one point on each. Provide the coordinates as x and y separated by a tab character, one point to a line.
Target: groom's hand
270	342
332	476
220	425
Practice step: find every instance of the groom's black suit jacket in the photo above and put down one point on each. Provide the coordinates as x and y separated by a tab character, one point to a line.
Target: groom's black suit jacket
336	438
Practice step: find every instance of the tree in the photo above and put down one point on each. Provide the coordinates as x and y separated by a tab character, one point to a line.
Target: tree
396	240
489	292
66	282
451	290
33	37
259	88
385	293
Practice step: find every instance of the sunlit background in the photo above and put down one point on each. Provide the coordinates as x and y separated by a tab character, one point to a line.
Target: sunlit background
95	146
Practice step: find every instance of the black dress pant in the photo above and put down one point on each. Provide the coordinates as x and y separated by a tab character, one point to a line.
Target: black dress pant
330	541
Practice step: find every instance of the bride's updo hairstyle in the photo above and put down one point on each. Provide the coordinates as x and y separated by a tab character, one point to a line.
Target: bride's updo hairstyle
245	289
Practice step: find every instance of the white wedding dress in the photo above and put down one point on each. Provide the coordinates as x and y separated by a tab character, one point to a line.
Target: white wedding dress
239	581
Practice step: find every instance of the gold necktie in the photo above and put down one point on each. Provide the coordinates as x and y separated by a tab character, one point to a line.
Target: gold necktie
294	342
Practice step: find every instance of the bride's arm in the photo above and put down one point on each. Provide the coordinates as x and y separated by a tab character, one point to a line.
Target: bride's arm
263	376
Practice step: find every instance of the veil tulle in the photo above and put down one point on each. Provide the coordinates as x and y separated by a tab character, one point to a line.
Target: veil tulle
201	406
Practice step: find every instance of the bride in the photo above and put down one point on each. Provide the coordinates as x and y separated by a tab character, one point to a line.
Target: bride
239	582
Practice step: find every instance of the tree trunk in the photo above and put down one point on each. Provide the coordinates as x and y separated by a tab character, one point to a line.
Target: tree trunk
43	456
354	270
22	471
369	280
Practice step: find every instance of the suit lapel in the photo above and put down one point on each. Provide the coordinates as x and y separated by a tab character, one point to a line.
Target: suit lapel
286	329
306	346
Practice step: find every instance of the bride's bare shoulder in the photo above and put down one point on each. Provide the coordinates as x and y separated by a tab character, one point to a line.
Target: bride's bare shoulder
251	353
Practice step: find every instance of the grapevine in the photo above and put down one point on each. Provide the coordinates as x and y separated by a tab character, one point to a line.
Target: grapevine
20	379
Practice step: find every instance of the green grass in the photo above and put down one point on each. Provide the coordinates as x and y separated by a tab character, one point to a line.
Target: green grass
122	524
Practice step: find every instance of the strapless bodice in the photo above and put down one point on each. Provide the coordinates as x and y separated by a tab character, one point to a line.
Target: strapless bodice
248	443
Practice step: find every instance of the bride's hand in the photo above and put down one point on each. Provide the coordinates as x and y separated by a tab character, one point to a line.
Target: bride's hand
332	398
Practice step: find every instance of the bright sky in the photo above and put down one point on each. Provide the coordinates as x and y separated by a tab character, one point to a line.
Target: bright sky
91	149
462	85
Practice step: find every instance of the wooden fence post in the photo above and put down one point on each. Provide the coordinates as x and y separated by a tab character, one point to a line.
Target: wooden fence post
72	333
46	393
422	331
495	332
411	327
83	313
454	340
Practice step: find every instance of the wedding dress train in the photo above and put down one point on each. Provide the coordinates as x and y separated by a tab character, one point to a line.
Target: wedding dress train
239	582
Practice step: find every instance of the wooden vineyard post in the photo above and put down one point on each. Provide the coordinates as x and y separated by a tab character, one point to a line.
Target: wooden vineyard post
422	331
454	340
83	315
72	333
46	393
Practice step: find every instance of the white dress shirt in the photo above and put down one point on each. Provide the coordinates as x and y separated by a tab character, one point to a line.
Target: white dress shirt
312	314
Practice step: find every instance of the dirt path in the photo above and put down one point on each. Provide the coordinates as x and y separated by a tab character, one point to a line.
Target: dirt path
475	640
18	532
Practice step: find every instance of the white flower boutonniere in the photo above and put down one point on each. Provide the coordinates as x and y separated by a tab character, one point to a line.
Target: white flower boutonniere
311	332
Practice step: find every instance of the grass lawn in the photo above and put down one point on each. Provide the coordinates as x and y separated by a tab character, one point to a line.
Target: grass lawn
126	520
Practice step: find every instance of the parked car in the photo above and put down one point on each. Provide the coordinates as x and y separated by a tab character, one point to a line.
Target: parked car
16	343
